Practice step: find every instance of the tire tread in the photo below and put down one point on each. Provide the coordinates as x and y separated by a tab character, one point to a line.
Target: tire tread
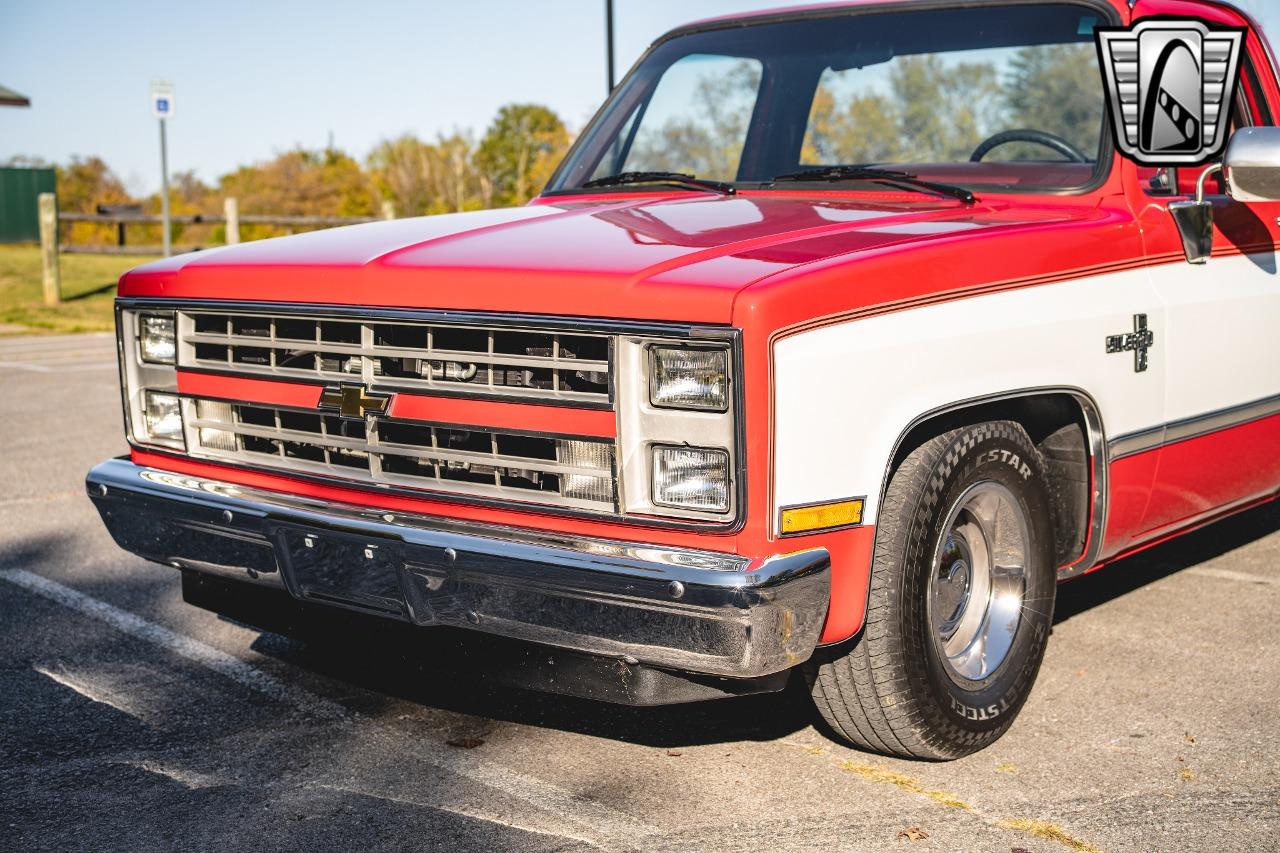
865	694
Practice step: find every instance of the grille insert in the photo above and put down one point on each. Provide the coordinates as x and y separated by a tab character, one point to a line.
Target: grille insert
576	473
427	357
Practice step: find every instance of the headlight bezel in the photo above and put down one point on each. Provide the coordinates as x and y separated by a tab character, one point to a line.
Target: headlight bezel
139	378
644	425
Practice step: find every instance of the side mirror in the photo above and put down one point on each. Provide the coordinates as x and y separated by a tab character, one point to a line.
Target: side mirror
1252	164
1252	169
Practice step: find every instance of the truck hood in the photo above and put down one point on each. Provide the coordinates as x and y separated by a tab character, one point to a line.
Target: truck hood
680	256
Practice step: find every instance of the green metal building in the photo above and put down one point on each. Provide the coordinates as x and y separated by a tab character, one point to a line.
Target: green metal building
19	193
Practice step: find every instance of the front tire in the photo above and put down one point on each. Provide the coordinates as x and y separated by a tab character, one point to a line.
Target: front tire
961	601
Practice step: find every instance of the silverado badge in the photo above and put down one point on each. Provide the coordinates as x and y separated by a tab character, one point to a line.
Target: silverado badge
352	401
1139	342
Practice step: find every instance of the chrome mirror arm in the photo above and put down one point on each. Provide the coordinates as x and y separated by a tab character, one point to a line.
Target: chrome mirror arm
1204	176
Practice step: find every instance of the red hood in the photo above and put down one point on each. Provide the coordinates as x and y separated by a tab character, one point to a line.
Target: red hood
654	257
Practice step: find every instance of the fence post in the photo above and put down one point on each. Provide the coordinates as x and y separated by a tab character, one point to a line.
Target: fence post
231	210
49	248
388	209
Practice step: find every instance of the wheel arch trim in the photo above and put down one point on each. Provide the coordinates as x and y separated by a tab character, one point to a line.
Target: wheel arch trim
1095	447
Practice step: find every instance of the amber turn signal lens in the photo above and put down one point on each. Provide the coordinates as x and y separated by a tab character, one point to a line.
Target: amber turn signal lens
806	519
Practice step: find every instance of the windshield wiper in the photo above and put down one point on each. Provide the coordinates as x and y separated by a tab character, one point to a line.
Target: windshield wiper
886	176
624	178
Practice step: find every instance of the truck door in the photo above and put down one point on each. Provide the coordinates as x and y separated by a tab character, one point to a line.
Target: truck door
1220	446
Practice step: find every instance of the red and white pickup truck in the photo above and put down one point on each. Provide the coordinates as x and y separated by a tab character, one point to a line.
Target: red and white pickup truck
840	337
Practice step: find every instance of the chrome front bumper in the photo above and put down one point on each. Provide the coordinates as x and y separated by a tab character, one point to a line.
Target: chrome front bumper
694	611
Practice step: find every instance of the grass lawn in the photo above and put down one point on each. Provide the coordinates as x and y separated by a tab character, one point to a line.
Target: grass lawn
88	290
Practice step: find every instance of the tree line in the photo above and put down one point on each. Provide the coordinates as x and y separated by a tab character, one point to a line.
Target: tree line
506	166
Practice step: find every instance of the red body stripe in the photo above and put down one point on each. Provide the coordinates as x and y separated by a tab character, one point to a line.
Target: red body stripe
513	416
248	390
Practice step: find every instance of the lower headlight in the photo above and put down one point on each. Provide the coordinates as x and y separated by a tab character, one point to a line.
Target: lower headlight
162	416
692	478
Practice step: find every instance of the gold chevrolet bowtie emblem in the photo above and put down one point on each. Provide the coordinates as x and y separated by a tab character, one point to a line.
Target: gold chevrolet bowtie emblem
352	401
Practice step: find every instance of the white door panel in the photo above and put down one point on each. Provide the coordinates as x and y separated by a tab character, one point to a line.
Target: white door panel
1222	344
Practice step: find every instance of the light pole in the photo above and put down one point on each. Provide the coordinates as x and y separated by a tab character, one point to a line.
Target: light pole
608	42
162	108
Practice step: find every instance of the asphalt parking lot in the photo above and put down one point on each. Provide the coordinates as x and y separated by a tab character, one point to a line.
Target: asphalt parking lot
129	720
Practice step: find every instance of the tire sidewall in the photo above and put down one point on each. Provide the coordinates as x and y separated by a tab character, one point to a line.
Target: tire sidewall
1000	453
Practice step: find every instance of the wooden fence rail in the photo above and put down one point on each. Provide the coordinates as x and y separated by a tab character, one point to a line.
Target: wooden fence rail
201	219
51	218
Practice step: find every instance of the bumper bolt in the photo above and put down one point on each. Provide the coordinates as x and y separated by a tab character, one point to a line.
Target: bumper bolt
473	617
450	554
676	589
102	489
227	516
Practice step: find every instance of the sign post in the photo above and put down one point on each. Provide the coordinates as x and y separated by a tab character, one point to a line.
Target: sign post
162	108
608	44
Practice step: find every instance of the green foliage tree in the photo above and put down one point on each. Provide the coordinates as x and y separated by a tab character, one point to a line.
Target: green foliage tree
935	111
1055	87
520	150
706	134
188	196
863	129
301	183
83	184
426	178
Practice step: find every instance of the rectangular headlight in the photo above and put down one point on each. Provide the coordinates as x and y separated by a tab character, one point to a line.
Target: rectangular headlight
157	338
691	478
681	378
162	416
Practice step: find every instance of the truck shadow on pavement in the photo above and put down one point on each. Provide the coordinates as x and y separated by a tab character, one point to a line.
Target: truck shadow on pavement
1187	551
431	668
447	670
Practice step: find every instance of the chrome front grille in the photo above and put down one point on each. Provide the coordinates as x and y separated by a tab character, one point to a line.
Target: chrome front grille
575	473
430	358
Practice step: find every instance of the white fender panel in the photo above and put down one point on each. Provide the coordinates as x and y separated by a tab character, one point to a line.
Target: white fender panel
844	393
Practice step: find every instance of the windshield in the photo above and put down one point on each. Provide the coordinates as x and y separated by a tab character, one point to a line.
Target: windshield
990	97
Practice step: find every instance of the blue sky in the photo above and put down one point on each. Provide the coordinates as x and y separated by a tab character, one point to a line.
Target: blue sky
255	77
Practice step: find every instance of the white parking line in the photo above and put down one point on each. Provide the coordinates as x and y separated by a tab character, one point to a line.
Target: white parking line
73	367
612	826
188	779
94	692
194	650
1228	575
462	812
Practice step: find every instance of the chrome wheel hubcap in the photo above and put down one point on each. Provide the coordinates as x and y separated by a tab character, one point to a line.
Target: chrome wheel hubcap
979	581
